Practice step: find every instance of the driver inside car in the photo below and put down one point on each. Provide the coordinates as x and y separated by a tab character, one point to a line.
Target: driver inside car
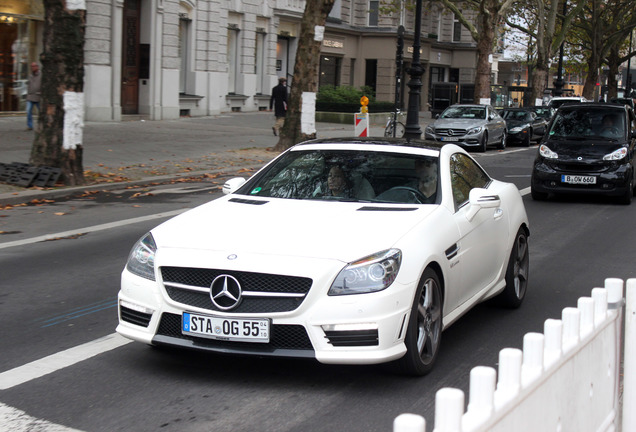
609	128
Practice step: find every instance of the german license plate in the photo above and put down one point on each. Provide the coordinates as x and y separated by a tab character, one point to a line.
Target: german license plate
451	139
229	329
578	179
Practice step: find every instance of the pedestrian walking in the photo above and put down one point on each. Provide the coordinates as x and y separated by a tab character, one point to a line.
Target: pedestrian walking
278	101
33	93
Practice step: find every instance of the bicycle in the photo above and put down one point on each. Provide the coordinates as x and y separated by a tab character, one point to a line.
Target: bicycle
394	127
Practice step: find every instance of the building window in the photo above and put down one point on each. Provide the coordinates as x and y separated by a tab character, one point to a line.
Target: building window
233	58
336	10
185	22
330	71
457	29
371	74
437	74
374	6
259	67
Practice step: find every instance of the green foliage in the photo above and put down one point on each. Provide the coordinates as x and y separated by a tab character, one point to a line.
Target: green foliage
344	94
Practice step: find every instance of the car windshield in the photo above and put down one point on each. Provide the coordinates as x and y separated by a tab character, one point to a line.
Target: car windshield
556	103
345	175
517	115
464	112
594	122
543	112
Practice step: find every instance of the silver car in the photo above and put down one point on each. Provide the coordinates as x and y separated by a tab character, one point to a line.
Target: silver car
470	126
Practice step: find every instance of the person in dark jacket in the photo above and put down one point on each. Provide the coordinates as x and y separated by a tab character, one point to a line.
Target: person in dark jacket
278	101
33	93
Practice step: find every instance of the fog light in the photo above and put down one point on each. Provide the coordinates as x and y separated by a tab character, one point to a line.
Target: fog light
552	183
350	327
136	307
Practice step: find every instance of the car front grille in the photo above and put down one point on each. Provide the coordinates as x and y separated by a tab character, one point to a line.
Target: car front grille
450	132
268	292
579	167
353	338
285	337
134	317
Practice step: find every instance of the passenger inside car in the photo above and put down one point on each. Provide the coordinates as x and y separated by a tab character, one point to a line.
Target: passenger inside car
338	183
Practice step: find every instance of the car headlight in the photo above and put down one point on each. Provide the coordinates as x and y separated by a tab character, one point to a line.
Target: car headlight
616	155
545	151
141	260
373	273
474	130
517	129
429	129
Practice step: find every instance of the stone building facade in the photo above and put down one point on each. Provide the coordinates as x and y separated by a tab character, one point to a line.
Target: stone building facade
162	59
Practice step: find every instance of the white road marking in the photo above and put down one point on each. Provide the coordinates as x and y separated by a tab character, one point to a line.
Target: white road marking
524	191
14	420
60	360
93	228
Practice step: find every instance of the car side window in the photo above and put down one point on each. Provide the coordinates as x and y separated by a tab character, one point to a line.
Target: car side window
465	175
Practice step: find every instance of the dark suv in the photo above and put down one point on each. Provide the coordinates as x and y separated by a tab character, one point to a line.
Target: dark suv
589	148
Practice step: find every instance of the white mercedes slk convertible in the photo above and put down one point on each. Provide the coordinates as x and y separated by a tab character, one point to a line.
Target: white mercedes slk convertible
349	251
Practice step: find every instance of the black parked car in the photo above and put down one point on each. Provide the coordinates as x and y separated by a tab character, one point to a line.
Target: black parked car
523	126
589	149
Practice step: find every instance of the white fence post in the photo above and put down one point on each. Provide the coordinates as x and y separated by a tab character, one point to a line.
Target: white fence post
629	371
553	333
532	366
585	306
600	305
571	318
481	397
509	380
409	423
449	408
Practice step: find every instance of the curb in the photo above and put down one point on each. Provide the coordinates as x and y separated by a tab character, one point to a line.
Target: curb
26	196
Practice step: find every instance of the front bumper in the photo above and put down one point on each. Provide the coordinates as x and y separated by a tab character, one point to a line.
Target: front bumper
613	181
517	137
466	141
148	314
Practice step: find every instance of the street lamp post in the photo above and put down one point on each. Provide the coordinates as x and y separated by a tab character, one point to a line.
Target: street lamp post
628	80
412	128
558	84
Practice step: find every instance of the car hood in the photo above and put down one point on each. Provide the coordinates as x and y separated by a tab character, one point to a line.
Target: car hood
516	123
458	123
587	149
312	229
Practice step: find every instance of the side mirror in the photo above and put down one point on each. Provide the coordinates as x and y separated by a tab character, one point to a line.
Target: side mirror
480	199
436	116
232	185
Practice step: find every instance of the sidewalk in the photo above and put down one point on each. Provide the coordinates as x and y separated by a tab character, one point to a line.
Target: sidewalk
139	152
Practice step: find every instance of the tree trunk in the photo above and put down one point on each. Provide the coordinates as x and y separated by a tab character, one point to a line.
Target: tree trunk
539	79
613	61
305	72
62	71
591	79
488	20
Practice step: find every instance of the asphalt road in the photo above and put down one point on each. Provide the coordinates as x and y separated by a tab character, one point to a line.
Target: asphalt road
60	295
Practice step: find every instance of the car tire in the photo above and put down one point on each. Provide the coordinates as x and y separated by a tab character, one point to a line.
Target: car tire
526	142
502	143
484	142
517	272
538	196
424	331
626	198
